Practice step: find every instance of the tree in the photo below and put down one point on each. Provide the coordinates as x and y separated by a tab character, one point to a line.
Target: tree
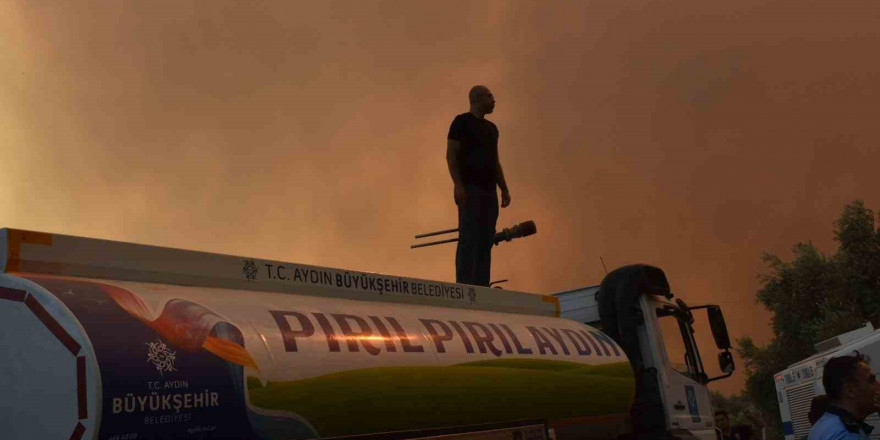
813	297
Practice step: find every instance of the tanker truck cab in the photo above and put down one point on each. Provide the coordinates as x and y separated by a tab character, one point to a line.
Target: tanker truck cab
635	306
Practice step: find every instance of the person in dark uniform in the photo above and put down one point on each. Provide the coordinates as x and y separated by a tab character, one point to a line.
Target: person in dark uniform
472	156
728	432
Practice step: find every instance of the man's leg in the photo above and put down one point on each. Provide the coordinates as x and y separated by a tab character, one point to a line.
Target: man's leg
465	253
487	217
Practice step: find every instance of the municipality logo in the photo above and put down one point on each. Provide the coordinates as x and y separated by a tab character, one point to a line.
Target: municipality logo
161	357
249	269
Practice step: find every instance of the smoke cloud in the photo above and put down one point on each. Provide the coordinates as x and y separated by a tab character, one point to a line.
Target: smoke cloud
689	135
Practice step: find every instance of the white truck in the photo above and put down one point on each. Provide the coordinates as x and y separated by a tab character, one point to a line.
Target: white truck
118	341
800	382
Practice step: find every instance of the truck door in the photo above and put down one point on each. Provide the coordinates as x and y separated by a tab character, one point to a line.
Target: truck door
684	391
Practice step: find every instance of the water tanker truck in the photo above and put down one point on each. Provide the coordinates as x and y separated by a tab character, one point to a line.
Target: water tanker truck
118	341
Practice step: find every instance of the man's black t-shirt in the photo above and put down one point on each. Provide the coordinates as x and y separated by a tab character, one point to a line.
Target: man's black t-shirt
478	157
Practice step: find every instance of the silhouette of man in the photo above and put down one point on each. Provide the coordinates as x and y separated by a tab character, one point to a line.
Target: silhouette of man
851	387
472	156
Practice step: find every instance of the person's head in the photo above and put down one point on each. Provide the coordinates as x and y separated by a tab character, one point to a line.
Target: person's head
850	383
722	420
481	99
817	408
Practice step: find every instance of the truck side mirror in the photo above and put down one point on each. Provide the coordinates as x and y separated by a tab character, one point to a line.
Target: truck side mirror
719	328
725	361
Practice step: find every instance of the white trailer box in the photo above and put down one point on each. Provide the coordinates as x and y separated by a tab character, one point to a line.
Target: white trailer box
800	382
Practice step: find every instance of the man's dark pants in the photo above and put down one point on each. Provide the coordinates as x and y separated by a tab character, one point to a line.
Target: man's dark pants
476	229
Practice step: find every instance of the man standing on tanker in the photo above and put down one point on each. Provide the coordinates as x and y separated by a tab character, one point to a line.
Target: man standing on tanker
472	156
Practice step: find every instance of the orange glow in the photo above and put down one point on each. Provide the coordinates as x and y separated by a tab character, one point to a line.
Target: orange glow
313	133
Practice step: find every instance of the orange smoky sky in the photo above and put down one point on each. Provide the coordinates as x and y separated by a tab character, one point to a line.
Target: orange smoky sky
687	134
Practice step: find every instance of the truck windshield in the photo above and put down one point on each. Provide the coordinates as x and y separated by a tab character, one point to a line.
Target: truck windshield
681	354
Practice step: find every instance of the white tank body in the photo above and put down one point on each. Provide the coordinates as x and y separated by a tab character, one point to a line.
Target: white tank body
87	358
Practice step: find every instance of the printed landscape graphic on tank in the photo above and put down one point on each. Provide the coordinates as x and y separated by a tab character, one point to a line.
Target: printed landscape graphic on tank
221	363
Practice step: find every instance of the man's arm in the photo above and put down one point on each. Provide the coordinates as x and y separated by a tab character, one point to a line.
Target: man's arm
499	177
452	148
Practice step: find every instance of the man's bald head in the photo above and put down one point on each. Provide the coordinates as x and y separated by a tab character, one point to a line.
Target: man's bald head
481	99
476	92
